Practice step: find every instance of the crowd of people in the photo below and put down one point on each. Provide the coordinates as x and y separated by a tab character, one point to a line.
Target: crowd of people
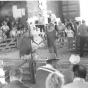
11	28
49	76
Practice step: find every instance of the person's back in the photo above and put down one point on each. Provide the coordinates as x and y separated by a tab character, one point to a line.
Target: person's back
81	84
41	76
68	75
79	77
83	30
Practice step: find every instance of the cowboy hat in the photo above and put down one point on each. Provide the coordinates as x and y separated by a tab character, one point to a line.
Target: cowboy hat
52	56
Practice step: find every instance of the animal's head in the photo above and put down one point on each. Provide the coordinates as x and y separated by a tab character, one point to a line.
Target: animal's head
37	42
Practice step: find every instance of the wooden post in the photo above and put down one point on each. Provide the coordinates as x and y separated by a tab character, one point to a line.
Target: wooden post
31	62
76	39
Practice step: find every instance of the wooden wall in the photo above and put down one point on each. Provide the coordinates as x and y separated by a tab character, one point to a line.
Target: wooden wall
71	9
6	10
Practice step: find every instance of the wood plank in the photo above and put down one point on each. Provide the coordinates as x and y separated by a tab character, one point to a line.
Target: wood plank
8	44
3	44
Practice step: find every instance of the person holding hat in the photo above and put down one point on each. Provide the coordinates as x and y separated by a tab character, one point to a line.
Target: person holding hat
43	71
68	73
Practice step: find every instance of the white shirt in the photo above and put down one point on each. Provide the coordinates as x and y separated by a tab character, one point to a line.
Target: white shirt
41	20
77	83
53	18
5	28
70	33
2	76
61	27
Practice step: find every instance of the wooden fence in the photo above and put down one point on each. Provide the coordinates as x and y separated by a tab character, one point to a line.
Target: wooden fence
63	43
66	43
8	44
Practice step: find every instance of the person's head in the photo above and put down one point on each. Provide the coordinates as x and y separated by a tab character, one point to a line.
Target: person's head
60	22
83	22
51	26
12	24
68	21
55	80
77	23
5	23
80	71
15	74
50	13
40	14
52	59
68	27
8	19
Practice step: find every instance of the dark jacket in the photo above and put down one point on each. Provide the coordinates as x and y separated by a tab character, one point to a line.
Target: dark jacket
15	84
41	75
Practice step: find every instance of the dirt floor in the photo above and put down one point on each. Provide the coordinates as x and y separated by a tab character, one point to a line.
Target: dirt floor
63	54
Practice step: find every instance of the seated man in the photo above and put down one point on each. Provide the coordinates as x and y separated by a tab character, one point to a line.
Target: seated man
15	79
80	73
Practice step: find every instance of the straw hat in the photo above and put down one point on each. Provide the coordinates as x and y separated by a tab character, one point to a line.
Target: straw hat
74	59
52	56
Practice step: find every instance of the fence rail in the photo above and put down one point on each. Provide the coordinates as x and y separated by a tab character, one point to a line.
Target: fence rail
66	42
8	44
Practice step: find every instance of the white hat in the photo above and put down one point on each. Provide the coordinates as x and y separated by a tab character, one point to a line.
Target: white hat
74	59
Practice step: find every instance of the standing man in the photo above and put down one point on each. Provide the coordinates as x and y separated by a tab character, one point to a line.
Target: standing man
52	17
43	71
83	33
41	23
61	29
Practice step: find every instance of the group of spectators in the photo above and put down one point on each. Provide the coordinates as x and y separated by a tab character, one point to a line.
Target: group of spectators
11	28
74	76
49	76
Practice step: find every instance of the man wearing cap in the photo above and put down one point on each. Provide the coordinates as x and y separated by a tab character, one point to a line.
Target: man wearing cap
68	73
43	71
52	17
15	79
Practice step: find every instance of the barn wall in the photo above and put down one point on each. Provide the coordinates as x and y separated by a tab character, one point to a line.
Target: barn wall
6	10
54	6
